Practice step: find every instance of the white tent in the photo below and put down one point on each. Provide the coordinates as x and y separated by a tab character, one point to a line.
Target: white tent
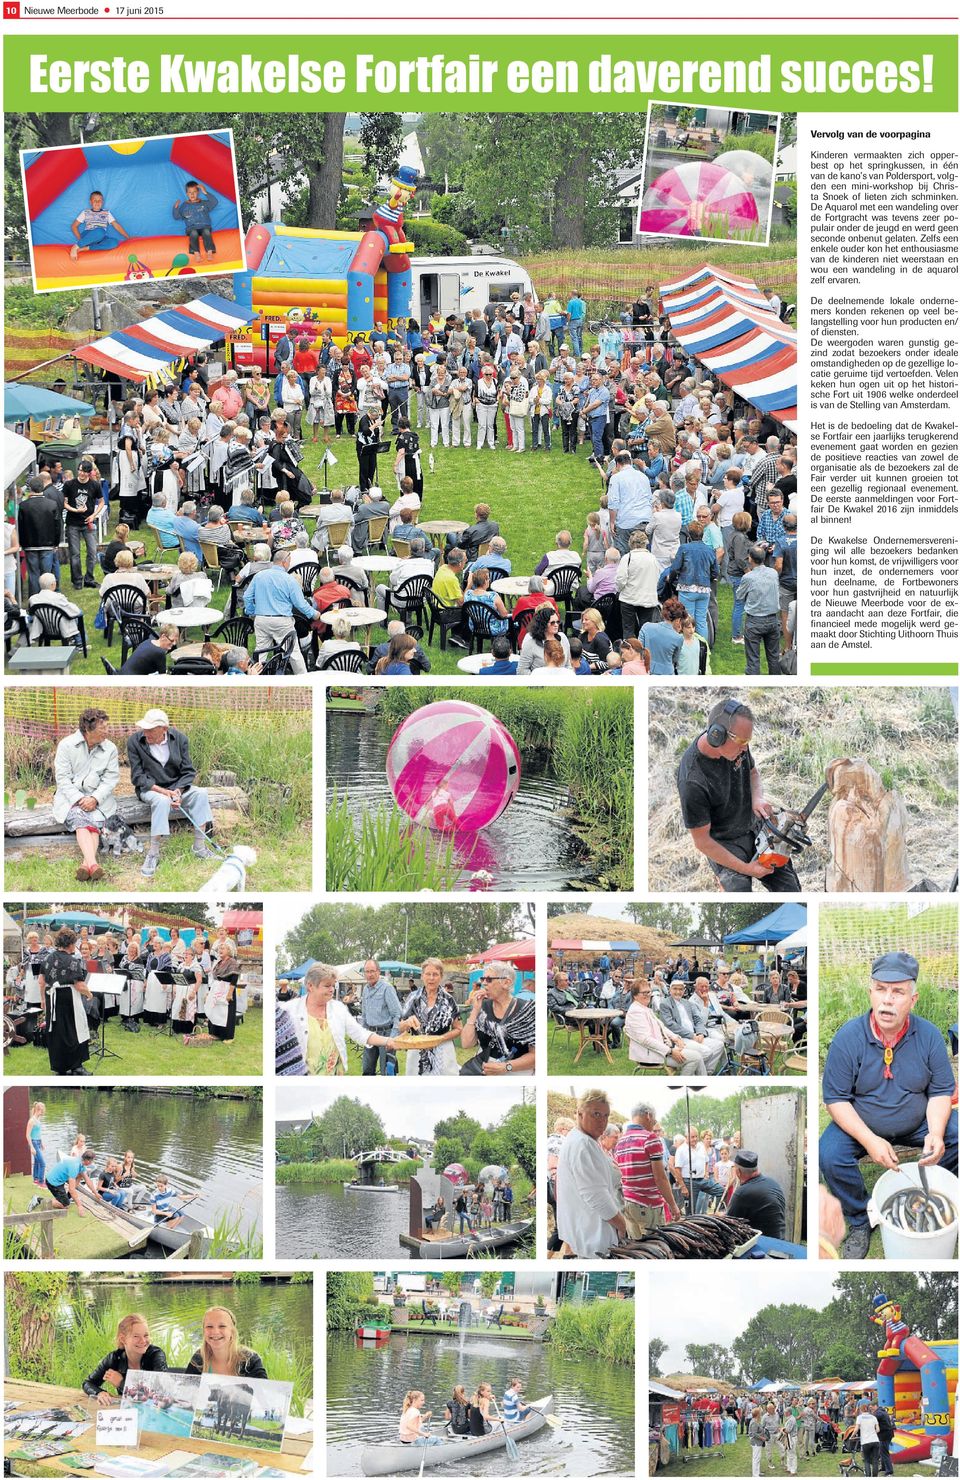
796	941
19	455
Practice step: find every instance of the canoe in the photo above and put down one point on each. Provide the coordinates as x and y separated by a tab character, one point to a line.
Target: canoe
371	1187
467	1245
392	1459
138	1220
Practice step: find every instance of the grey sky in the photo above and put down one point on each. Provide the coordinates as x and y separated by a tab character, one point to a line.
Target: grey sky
680	1313
407	1107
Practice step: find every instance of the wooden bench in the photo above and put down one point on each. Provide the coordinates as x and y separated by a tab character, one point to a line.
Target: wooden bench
36	827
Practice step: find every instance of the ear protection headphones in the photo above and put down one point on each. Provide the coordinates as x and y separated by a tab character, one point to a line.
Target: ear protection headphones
718	731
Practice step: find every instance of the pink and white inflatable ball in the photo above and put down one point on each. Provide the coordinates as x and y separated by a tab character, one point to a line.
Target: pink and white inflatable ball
686	200
452	765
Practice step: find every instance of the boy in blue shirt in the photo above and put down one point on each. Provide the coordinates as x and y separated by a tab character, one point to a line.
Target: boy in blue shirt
195	213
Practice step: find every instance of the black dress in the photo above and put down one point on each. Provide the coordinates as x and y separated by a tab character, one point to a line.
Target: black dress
409	444
65	1047
227	970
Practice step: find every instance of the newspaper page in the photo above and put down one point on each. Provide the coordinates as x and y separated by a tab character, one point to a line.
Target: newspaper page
480	521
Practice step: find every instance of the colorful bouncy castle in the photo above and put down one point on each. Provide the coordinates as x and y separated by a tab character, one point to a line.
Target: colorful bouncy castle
916	1383
139	179
306	281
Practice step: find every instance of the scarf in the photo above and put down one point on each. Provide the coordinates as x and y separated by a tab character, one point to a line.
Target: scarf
436	1019
889	1044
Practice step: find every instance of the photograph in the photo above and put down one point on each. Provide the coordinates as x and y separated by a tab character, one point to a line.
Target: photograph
289	473
151	1172
129	210
468	1008
198	792
708	172
888	1056
836	1374
500	1372
681	989
442	1176
85	1343
737	777
434	791
124	991
649	1173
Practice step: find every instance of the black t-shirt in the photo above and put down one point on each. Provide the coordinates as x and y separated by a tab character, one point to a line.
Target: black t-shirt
716	793
597	647
108	558
762	1203
83	496
147	658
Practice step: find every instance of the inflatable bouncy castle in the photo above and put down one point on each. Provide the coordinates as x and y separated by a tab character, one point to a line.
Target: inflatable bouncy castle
916	1383
307	281
139	179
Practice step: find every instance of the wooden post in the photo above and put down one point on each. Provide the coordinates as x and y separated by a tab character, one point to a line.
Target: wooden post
867	829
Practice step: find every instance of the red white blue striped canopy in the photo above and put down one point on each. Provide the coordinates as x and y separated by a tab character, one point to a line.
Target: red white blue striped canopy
727	323
148	348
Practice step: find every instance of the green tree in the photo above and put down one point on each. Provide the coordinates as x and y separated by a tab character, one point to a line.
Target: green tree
350	1295
489	1280
461	1129
707	1360
674	919
451	1281
655	1353
348	1126
487	1147
518	1136
347	932
446	1151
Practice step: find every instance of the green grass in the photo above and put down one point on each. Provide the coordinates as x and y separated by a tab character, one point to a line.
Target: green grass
387	854
153	1052
598	1328
532	496
734	1459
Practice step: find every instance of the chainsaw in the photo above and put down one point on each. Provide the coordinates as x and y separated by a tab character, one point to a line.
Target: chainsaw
785	833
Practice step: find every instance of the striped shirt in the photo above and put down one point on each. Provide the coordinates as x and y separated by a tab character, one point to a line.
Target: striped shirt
635	1153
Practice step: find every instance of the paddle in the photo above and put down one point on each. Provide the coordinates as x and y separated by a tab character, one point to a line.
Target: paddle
513	1452
423	1455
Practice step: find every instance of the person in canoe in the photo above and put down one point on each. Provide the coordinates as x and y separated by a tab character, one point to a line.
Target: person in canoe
164	1204
414	1419
134	1353
514	1408
458	1411
479	1411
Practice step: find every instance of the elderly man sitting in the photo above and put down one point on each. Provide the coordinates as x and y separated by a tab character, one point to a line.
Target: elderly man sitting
87	769
418	563
337	511
603	582
887	1081
686	1018
563	555
652	1044
496	557
48	595
164	777
347	568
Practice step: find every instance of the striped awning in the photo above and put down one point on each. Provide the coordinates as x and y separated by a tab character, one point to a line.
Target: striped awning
726	322
149	347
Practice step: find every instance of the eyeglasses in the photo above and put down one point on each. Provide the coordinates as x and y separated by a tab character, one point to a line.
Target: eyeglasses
735	740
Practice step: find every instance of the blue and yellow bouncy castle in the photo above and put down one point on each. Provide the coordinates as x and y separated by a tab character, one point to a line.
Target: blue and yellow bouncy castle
916	1383
307	281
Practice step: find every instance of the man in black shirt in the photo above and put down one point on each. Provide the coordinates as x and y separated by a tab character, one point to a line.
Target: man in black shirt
721	798
39	529
886	1430
151	655
82	500
758	1199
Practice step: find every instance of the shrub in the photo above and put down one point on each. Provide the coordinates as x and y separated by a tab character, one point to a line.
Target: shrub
432	239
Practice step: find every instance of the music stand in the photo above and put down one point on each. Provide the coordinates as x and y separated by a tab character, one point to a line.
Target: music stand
169	978
106	984
327	461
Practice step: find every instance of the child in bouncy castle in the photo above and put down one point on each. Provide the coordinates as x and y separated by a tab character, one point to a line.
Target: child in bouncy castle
442	807
388	218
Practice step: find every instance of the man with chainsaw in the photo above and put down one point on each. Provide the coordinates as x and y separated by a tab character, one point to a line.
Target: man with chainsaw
887	1082
725	810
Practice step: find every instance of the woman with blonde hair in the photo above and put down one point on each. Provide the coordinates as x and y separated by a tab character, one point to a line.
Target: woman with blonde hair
220	1351
35	1141
589	1196
431	1009
193	588
479	1410
413	1420
134	1352
593	636
221	1001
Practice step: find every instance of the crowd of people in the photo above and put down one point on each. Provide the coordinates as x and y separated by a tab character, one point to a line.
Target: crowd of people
488	1201
693	489
170	985
497	1025
679	1017
464	1416
609	1182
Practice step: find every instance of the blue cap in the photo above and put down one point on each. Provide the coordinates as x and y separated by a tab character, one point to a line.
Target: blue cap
895	966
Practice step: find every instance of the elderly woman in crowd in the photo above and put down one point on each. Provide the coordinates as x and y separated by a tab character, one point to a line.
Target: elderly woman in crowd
87	769
322	1025
652	1044
500	1026
589	1197
432	1010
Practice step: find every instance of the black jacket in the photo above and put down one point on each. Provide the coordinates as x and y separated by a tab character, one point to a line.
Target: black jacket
146	772
249	1365
154	1359
39	523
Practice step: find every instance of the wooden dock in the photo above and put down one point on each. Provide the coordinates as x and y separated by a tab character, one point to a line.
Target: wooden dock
97	1235
39	1395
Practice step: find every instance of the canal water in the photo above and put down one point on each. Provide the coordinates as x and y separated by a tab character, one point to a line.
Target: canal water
213	1147
594	1404
531	847
275	1312
322	1220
